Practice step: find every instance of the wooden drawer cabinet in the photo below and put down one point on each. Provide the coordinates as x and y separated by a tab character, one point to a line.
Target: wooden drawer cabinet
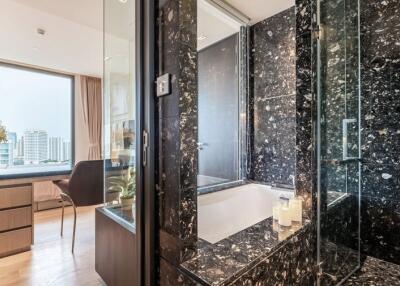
15	241
15	196
15	218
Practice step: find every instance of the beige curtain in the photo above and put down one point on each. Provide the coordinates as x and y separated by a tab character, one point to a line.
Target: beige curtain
92	111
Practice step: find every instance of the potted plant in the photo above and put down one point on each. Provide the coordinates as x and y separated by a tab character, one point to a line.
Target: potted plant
126	185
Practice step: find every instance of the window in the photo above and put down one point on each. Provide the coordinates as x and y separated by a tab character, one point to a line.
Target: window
36	120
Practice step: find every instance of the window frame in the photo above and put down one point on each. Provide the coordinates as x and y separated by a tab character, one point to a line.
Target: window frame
41	70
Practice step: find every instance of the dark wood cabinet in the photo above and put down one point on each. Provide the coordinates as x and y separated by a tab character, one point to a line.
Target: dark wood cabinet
116	255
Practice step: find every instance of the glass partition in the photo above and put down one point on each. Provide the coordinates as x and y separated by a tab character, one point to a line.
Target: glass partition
120	108
339	150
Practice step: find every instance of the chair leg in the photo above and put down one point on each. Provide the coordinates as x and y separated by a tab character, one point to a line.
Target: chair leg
62	215
73	233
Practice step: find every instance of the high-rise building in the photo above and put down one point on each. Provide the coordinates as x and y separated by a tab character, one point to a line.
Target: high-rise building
35	146
12	137
55	149
20	147
66	151
6	154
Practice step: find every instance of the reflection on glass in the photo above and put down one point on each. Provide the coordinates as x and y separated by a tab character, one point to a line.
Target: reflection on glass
218	96
339	142
119	108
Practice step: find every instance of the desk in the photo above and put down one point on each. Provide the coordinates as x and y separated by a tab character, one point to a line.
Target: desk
16	212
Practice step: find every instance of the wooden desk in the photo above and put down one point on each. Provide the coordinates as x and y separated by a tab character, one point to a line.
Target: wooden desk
16	213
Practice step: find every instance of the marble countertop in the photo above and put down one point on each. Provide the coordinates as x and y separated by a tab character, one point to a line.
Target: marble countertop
124	218
219	263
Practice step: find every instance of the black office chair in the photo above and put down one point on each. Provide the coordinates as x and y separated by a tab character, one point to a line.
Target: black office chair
84	188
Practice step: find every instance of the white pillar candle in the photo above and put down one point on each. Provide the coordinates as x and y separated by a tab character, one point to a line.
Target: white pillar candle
275	226
284	234
285	218
296	209
275	211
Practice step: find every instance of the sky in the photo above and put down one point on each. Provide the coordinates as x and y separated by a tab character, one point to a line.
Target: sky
33	100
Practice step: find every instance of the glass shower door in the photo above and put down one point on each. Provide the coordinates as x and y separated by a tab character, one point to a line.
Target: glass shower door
338	140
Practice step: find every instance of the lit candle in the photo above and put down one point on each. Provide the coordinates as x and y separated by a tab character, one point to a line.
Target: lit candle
285	218
296	209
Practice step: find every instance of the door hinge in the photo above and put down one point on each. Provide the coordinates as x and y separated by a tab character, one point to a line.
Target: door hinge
317	32
145	147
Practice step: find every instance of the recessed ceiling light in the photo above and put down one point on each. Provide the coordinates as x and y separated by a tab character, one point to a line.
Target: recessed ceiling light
41	31
201	38
123	1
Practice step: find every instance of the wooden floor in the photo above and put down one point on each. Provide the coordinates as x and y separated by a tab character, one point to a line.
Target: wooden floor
50	262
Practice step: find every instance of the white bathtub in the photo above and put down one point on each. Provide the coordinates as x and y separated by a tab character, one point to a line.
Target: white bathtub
227	212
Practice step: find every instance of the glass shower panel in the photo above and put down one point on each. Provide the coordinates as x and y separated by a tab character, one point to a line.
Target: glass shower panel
120	108
338	140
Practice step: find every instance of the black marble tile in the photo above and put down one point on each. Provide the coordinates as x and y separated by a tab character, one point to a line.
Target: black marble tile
188	153
380	228
274	142
339	262
177	127
304	112
226	261
172	276
375	272
380	85
178	50
304	256
273	270
304	16
273	88
381	181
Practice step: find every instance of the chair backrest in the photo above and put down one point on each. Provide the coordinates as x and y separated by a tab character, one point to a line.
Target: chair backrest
86	183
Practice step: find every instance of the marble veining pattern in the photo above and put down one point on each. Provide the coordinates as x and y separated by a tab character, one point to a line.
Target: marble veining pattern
252	255
177	127
222	262
380	75
375	272
272	76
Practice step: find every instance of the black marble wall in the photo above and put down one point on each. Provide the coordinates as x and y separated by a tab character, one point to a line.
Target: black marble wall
273	99
305	107
380	63
177	114
177	130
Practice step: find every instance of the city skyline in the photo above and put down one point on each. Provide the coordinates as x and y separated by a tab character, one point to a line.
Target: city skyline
34	147
32	100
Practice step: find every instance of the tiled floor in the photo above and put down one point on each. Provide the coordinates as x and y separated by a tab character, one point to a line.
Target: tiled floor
375	272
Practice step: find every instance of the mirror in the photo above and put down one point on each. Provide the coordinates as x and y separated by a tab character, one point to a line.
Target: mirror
221	96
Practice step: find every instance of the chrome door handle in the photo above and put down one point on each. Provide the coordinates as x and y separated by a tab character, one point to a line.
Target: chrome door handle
345	139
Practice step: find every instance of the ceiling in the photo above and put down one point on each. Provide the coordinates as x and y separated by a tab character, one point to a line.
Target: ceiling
73	41
84	12
258	10
214	25
66	46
